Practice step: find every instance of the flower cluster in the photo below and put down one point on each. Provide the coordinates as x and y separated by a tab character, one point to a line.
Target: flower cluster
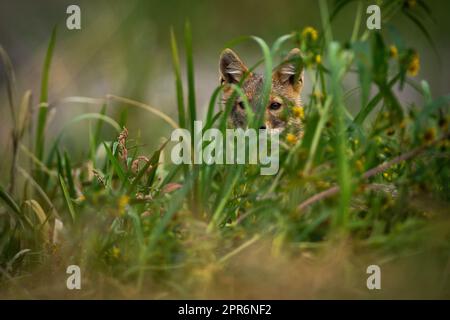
308	40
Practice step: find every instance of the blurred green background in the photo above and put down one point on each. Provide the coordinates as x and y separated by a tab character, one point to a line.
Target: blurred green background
123	49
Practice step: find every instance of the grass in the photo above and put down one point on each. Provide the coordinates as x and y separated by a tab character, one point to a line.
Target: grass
369	188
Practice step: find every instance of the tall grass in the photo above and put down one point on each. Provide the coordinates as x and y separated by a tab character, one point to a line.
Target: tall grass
43	100
138	219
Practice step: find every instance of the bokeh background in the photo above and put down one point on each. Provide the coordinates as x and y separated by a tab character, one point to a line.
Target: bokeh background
123	48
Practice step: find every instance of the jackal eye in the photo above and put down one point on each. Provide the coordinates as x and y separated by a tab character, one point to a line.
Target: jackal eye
275	106
241	105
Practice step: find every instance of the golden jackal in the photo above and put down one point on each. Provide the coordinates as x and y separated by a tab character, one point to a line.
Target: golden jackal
284	108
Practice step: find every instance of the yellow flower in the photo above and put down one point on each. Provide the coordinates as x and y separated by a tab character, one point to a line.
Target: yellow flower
122	203
414	65
378	140
310	33
359	165
323	184
291	138
317	95
298	112
393	52
318	59
115	252
403	124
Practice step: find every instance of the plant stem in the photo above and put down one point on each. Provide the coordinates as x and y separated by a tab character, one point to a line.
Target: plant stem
372	172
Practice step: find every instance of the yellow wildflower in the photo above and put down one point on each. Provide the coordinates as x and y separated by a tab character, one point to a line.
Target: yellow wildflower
359	165
310	33
317	95
298	112
378	140
122	203
403	124
393	52
318	59
323	184
291	138
414	65
115	252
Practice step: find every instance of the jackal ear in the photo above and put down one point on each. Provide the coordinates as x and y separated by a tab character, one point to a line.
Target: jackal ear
290	71
231	67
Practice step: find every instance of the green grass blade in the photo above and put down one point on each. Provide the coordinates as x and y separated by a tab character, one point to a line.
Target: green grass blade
192	108
324	114
43	100
363	113
211	107
10	82
279	42
267	85
154	162
344	177
424	30
232	179
115	164
9	201
95	137
68	173
90	116
67	198
178	82
190	74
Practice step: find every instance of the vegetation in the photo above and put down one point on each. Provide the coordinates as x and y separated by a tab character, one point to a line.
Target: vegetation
360	188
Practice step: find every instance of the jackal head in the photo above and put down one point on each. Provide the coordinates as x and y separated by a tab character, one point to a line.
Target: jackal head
287	85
